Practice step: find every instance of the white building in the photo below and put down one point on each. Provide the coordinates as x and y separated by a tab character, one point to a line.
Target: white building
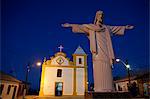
60	76
10	87
142	83
122	84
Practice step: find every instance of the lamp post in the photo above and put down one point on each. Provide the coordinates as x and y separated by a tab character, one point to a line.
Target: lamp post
26	80
27	73
39	65
127	67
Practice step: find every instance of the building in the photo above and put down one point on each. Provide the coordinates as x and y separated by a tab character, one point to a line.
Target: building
142	83
61	76
10	87
122	84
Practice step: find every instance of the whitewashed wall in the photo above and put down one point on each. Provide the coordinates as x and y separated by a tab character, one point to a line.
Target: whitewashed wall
80	81
51	78
4	92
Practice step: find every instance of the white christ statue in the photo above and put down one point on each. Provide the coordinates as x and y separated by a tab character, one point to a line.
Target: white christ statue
101	49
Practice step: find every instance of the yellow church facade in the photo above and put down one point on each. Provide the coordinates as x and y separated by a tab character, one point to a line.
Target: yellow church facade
60	76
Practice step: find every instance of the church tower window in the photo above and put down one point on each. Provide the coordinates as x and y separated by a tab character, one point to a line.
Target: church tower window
80	60
59	72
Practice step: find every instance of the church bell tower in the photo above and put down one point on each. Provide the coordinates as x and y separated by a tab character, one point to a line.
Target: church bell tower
80	57
80	60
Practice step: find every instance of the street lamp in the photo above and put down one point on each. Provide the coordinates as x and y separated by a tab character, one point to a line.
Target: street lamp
27	73
39	63
26	80
127	67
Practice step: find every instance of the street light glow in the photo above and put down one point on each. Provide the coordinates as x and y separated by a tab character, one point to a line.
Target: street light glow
117	60
38	63
128	66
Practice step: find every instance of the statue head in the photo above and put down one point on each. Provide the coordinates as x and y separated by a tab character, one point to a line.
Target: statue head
99	18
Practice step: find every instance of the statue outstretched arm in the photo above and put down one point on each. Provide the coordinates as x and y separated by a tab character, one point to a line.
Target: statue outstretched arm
119	30
77	28
129	27
66	25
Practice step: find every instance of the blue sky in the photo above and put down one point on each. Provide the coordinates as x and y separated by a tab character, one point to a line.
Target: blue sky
31	30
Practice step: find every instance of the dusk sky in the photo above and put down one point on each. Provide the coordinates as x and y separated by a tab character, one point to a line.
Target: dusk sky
31	30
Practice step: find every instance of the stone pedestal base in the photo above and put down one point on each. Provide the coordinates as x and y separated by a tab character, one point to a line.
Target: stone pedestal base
107	95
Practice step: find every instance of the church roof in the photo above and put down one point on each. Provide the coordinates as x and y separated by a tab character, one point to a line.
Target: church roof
79	50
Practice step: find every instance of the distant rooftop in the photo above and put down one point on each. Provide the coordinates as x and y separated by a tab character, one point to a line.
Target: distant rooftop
79	50
7	77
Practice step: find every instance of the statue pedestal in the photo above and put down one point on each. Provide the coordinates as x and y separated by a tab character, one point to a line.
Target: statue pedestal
107	95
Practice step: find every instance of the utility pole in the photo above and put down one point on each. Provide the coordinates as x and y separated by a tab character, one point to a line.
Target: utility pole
128	69
26	80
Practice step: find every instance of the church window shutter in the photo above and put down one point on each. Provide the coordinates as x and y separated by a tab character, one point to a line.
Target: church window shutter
59	72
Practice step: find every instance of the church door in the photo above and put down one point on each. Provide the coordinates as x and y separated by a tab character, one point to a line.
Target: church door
58	88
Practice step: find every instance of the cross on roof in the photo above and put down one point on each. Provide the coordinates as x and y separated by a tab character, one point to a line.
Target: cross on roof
60	48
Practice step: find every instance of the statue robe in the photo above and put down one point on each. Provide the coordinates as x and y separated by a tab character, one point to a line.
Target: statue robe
102	51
